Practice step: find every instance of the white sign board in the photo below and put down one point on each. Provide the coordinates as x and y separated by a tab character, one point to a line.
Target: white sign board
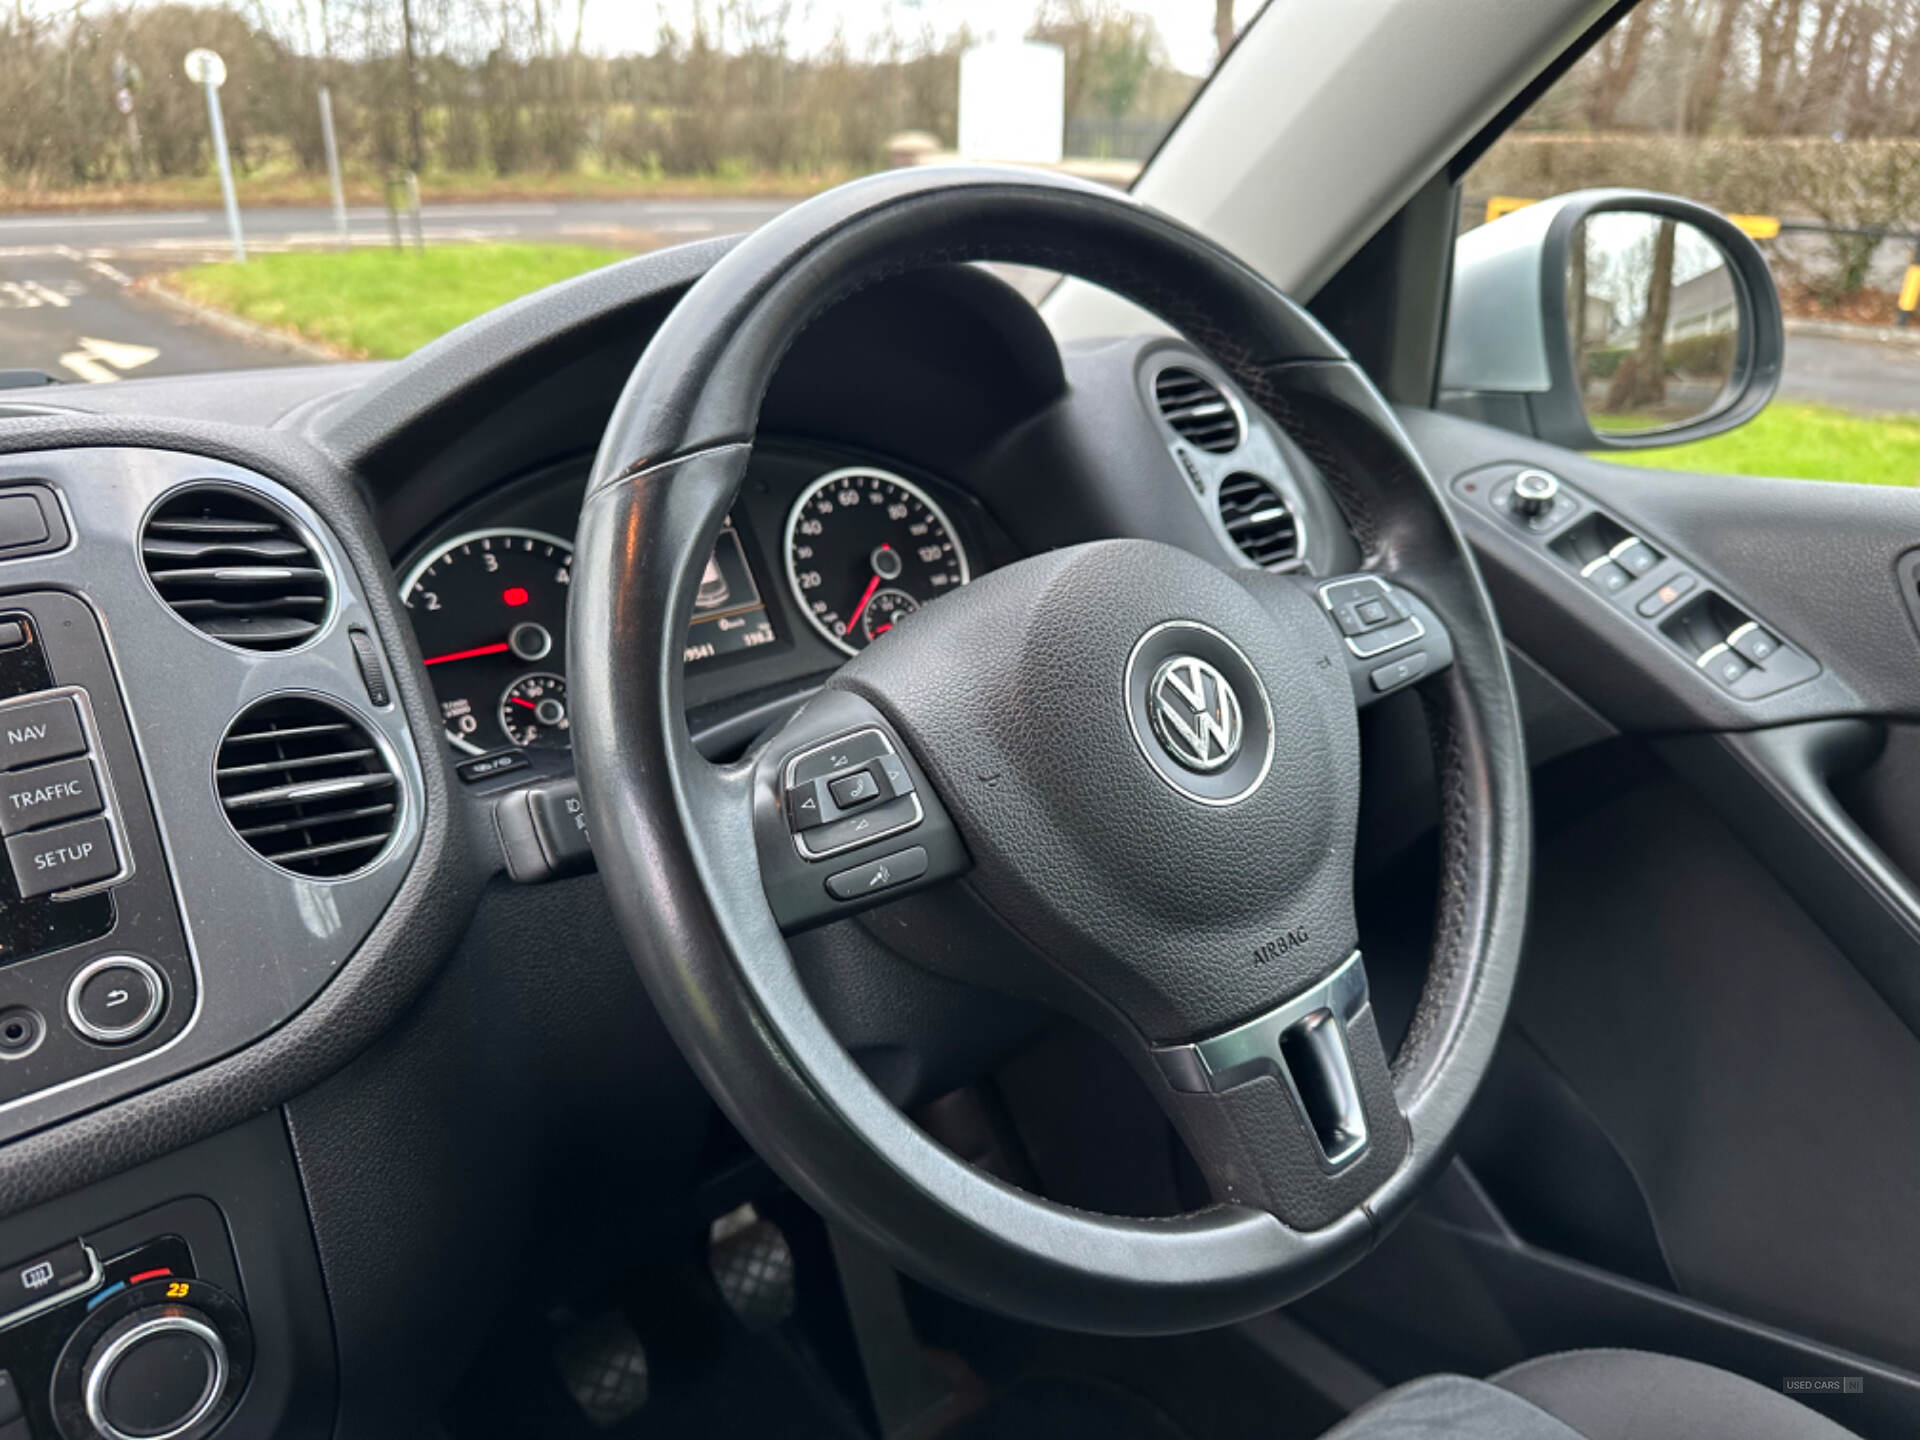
1013	102
205	67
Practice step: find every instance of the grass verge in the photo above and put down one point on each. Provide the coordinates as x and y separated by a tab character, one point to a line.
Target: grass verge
381	304
1803	442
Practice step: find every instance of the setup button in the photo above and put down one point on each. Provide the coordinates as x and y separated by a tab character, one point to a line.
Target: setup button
63	858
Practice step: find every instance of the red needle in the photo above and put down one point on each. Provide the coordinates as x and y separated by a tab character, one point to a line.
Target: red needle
865	596
528	703
499	649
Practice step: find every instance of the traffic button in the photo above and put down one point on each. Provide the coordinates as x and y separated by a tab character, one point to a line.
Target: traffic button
30	798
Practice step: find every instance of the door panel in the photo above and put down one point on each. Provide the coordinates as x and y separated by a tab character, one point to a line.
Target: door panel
1722	980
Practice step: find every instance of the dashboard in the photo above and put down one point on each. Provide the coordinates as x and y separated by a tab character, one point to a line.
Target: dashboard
825	552
249	827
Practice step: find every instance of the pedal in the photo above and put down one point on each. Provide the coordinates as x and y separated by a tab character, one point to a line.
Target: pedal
753	1267
603	1365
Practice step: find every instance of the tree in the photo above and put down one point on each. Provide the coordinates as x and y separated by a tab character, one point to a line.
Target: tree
1710	75
1222	28
1641	381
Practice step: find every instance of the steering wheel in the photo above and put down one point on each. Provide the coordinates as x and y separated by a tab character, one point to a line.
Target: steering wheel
1139	772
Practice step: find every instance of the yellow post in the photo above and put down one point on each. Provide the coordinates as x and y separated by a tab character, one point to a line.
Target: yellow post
1505	205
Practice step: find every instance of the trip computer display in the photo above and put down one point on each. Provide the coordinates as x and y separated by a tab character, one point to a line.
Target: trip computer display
728	614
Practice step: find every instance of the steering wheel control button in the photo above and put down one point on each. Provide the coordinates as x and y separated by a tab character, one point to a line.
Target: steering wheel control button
48	794
1669	592
116	999
836	756
1755	644
42	1281
849	791
1373	619
876	875
1398	672
64	857
875	823
35	731
155	1376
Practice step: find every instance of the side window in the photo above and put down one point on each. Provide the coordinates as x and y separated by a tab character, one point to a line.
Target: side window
1800	121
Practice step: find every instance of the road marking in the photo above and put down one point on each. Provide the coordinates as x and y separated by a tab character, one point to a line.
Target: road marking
30	295
103	222
91	361
101	267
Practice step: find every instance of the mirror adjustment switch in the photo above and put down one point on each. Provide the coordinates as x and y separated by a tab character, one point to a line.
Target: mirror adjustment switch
1754	643
36	730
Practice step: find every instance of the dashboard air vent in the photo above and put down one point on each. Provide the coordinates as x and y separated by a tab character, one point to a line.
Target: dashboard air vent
1196	409
236	569
306	787
1258	521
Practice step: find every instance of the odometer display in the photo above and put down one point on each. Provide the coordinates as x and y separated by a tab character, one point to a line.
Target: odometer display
490	609
866	548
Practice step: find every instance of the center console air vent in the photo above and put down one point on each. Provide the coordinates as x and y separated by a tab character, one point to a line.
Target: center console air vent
1197	409
1258	521
306	787
235	568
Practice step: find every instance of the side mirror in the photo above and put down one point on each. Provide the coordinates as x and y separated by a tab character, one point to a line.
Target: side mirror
1611	319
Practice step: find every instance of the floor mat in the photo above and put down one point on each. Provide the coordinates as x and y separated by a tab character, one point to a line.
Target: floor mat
1047	1407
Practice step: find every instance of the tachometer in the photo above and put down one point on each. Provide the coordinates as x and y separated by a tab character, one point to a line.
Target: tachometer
490	609
865	548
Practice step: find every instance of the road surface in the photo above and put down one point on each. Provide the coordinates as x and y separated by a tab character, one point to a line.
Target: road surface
1853	374
69	305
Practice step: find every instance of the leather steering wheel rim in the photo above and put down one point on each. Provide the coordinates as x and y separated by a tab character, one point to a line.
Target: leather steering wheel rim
673	833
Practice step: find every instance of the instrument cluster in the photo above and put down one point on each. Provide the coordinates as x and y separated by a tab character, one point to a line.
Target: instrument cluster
816	562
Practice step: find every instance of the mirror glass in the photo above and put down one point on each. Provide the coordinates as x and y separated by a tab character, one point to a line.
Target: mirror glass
1653	316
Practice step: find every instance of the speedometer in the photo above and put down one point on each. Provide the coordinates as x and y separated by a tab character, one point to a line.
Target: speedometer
865	548
490	608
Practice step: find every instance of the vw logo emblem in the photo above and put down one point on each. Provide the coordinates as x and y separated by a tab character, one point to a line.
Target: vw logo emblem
1196	715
